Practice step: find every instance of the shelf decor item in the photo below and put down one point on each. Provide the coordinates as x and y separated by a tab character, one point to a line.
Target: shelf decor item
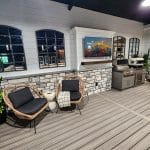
95	47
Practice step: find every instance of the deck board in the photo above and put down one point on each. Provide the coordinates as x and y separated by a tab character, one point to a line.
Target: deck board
118	120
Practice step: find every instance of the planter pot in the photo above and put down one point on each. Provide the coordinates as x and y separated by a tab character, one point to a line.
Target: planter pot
3	117
147	77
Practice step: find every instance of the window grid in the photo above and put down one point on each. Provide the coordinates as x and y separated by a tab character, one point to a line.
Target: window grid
134	44
12	57
51	48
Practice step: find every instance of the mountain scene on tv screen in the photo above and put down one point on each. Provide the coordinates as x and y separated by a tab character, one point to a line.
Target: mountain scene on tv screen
97	47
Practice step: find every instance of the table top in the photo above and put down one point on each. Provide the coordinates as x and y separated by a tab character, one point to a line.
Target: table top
50	96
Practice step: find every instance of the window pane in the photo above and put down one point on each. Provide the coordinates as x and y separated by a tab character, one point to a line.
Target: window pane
3	49
18	49
16	40
40	34
61	56
6	59
51	49
42	48
43	61
50	34
4	40
50	41
13	31
8	68
3	30
19	58
60	41
53	59
52	53
60	48
7	63
59	35
19	62
41	41
20	66
10	58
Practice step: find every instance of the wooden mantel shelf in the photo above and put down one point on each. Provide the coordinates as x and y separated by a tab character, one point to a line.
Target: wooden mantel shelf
96	62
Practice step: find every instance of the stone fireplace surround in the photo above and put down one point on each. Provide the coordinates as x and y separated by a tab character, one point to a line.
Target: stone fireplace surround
97	78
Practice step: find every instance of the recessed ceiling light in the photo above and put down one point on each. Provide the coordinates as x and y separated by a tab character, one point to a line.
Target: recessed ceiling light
146	3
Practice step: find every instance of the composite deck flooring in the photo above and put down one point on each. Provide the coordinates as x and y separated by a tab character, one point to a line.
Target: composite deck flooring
116	120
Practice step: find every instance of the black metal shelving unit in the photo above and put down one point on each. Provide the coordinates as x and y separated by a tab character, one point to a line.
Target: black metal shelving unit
119	44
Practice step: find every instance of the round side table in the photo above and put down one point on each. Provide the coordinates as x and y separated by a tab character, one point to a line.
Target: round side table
50	96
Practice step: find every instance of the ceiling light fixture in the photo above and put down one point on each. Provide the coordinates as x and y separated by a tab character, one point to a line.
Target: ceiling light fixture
146	3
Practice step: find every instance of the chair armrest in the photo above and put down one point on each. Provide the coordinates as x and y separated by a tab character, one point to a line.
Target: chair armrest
58	89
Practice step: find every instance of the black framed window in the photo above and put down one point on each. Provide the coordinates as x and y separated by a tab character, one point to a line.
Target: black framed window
51	48
12	57
134	44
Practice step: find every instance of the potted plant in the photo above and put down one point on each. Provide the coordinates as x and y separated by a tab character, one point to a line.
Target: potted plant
147	66
2	106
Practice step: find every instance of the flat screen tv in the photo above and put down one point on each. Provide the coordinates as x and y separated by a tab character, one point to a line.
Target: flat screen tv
96	47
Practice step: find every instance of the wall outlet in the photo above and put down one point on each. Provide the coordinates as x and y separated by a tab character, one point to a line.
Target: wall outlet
96	83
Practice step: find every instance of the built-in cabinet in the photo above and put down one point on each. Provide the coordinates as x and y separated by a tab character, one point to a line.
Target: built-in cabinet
126	79
122	81
139	76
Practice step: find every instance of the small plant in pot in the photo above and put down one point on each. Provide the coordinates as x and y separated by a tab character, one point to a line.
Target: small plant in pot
2	106
147	66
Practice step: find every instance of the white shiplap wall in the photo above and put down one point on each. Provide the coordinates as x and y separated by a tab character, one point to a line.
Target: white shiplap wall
32	15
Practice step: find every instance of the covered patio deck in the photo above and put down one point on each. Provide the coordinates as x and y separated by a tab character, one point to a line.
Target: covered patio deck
117	120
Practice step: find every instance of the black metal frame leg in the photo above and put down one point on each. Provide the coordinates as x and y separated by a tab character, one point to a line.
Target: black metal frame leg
34	126
78	108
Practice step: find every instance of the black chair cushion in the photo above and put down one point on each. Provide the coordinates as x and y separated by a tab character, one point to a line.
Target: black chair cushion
20	97
32	106
74	96
70	85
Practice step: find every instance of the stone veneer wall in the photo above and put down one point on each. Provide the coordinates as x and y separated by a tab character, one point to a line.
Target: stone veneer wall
95	80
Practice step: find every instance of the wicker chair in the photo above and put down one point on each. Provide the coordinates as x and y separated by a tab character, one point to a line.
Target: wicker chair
25	101
68	84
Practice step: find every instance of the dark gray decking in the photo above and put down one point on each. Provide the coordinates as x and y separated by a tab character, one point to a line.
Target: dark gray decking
118	120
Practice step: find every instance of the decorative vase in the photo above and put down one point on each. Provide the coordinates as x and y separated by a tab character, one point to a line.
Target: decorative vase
52	105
